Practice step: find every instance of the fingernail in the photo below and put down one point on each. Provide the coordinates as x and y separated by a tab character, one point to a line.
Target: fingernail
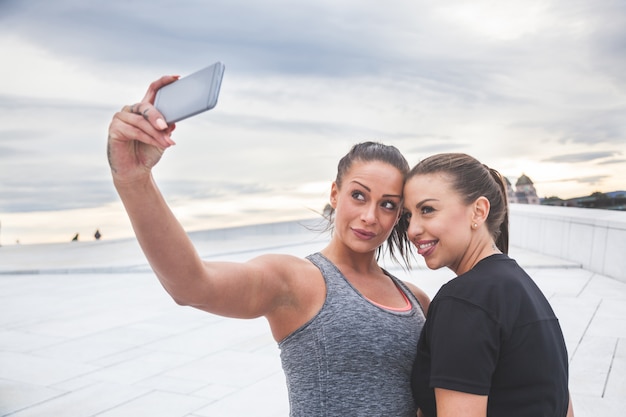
161	124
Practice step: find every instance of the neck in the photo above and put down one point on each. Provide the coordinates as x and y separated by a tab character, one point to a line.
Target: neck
475	254
347	259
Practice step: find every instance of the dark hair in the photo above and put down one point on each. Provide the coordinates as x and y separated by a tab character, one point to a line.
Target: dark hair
374	151
472	179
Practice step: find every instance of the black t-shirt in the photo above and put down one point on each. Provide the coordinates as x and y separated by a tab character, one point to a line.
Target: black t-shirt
491	331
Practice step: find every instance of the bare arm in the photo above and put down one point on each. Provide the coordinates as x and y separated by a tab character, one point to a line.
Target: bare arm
138	136
460	404
570	408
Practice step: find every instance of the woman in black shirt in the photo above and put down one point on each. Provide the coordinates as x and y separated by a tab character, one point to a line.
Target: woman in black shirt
492	345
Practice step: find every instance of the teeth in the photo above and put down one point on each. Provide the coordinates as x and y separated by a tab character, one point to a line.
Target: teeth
426	245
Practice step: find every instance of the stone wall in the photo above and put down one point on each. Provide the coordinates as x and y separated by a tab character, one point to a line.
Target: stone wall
594	238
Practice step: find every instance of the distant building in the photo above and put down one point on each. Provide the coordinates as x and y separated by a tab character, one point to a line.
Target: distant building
510	192
524	192
614	200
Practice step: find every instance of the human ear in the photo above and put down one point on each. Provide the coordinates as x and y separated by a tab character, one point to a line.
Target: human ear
481	209
334	191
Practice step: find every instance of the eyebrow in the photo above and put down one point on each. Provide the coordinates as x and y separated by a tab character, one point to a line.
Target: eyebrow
370	190
424	201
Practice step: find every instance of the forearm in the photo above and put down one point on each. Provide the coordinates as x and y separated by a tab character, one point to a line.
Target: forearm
163	240
570	408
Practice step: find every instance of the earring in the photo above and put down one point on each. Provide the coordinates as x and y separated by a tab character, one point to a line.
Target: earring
474	225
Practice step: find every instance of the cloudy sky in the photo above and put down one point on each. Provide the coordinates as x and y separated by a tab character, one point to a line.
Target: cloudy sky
534	86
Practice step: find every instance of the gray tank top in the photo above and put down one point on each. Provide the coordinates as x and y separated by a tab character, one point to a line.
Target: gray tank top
353	358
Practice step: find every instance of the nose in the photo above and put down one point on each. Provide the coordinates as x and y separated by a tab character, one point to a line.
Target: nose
414	229
368	216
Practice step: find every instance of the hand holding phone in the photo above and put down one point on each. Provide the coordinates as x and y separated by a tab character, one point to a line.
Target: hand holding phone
190	95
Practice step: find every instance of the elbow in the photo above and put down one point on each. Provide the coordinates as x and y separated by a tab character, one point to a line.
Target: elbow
185	299
183	293
189	302
178	293
181	301
181	298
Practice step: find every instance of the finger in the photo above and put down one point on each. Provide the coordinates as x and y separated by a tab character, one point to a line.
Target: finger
150	114
133	108
133	126
155	85
124	128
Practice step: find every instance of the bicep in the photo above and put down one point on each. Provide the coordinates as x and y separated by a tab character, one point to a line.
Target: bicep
243	290
460	404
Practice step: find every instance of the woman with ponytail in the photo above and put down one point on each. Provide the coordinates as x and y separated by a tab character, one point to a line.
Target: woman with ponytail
491	345
347	329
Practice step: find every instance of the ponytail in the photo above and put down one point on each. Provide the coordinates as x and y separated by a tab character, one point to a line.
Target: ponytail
502	235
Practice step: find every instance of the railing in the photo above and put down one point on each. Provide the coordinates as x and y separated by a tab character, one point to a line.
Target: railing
594	238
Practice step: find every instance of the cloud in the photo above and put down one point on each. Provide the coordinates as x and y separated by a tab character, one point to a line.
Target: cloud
274	36
7	152
619	161
603	126
25	195
529	86
430	144
593	180
321	39
582	157
207	190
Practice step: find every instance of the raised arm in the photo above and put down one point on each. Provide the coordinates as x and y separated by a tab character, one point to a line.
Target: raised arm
138	136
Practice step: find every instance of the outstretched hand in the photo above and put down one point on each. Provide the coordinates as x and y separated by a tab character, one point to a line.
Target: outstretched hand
138	136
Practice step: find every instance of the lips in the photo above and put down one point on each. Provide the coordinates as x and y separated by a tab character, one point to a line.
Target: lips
364	234
426	247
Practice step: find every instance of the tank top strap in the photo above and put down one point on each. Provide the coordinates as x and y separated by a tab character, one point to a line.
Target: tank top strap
337	283
334	279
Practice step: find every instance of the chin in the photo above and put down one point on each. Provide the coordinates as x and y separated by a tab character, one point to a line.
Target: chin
363	248
432	264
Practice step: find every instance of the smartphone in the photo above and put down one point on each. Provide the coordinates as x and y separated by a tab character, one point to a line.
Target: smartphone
190	95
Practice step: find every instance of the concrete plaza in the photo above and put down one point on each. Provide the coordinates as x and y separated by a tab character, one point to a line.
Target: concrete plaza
87	330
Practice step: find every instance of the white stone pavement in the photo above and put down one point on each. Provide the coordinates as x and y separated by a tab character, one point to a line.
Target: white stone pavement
87	330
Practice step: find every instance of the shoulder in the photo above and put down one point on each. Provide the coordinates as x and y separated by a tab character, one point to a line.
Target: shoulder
497	285
288	275
494	272
296	274
279	264
421	296
299	291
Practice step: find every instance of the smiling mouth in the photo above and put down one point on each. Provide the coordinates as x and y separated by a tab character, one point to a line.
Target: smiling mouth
424	248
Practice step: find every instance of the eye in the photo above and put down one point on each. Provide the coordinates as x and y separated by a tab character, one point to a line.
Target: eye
358	195
389	205
406	215
426	209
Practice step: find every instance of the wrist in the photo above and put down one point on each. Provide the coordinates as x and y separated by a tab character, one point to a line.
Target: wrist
134	183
